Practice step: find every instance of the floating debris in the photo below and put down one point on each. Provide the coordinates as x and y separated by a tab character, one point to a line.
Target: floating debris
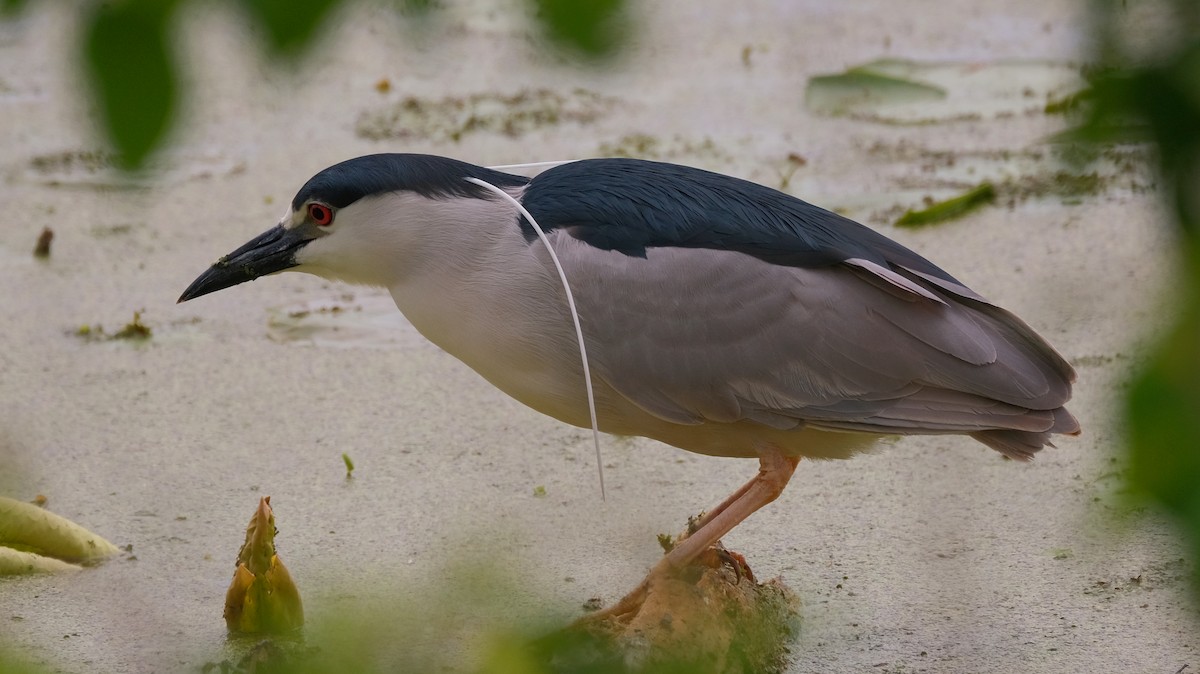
675	148
1066	172
366	320
898	91
666	542
84	168
34	540
795	162
104	231
134	329
951	208
262	597
864	87
72	162
42	248
453	117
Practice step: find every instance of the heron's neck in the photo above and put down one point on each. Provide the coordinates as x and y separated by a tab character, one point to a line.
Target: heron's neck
490	298
455	250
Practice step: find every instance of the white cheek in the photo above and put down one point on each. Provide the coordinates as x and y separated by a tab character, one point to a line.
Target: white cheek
342	256
323	258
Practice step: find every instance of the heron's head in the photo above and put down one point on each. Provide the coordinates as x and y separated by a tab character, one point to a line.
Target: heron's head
362	221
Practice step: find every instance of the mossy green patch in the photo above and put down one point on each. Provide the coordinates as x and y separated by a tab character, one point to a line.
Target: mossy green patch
975	198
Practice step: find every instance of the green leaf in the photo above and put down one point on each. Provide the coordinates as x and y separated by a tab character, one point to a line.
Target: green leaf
290	25
132	74
593	28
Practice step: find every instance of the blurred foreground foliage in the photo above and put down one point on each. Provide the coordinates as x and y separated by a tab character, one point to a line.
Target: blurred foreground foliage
131	63
475	619
473	616
11	665
1149	86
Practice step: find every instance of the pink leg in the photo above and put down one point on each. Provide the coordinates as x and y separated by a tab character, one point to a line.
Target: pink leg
708	516
774	472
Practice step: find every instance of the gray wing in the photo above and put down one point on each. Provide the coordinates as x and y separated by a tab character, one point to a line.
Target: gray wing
694	335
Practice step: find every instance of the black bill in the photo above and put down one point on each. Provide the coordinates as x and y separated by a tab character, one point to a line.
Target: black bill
272	251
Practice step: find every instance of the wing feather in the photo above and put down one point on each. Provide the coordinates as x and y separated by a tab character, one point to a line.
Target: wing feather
696	334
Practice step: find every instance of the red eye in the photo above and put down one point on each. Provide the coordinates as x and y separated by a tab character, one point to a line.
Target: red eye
320	214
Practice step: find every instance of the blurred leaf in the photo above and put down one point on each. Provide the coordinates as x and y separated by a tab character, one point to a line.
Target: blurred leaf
132	73
1164	422
9	8
1163	407
417	8
593	28
1163	100
10	664
292	24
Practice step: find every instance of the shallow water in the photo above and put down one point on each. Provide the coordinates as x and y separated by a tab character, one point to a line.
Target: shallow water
932	555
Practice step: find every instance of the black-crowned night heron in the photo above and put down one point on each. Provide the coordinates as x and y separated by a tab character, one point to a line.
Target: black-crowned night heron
719	316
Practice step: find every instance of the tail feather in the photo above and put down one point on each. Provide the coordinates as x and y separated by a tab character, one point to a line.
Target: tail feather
1022	445
1019	445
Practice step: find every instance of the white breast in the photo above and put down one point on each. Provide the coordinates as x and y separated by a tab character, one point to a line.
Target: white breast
488	298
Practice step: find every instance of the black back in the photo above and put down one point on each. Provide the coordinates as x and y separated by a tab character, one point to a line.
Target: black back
630	205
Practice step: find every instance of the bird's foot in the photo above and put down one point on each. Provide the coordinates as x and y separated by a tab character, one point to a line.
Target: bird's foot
701	616
621	612
716	556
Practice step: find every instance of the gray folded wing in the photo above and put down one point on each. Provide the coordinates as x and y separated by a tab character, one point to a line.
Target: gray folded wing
696	335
